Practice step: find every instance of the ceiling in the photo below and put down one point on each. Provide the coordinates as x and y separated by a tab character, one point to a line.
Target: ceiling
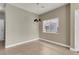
38	8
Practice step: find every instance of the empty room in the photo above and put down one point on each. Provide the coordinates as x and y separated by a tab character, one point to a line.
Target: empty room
39	29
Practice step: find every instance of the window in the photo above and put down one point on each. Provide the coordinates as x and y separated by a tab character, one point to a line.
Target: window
51	25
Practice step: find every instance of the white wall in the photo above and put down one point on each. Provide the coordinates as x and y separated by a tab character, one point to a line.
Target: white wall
19	25
77	30
73	7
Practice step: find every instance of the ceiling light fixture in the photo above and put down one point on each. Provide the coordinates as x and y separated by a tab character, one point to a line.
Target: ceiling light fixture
37	20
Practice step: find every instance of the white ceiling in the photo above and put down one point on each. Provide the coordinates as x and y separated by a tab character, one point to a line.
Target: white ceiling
40	8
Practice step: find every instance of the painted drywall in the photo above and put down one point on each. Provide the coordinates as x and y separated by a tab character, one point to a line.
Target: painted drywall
77	30
63	35
73	7
2	17
20	25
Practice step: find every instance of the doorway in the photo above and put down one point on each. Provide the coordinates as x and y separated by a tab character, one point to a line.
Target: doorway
2	26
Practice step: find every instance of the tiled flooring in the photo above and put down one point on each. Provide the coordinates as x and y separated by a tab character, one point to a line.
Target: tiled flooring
37	48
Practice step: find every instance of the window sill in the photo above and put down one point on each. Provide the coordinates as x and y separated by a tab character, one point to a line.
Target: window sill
51	32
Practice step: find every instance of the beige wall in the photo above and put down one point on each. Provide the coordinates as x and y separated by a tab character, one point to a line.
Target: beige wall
63	35
74	6
19	25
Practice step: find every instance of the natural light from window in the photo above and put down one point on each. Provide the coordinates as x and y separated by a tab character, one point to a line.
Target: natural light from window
51	25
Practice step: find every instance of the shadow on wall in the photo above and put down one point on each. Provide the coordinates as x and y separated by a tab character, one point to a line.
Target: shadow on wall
1	29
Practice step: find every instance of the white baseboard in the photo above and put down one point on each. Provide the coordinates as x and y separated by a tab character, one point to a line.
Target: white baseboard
55	43
72	49
19	43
